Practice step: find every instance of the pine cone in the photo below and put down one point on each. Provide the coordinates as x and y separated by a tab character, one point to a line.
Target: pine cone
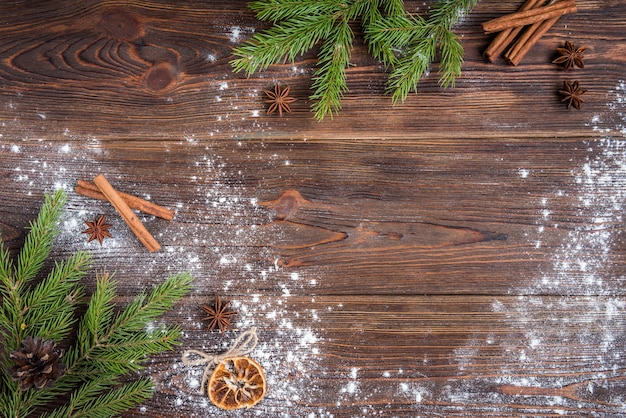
38	363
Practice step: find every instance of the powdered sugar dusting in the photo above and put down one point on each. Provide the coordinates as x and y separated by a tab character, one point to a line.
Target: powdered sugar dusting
586	253
585	264
219	238
289	346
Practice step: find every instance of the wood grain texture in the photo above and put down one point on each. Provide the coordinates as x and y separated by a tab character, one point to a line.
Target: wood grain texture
460	254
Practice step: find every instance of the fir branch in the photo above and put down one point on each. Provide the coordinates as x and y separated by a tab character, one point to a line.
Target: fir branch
118	344
7	307
25	403
107	346
51	304
357	9
329	81
147	306
451	59
94	400
410	69
277	10
98	316
436	33
393	7
380	48
281	42
118	400
19	404
390	35
407	44
39	240
88	391
6	267
95	321
447	13
14	281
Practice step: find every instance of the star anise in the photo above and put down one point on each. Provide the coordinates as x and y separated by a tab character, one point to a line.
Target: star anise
98	229
571	94
279	100
218	315
570	56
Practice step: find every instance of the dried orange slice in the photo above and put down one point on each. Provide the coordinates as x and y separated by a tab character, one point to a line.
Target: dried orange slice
237	382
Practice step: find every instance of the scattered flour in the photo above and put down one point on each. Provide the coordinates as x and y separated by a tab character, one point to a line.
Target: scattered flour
587	263
524	173
236	33
289	346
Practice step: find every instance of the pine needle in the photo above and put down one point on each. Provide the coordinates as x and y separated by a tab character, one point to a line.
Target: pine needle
419	43
15	280
277	10
408	45
95	400
50	305
109	343
281	43
411	68
107	346
39	240
329	81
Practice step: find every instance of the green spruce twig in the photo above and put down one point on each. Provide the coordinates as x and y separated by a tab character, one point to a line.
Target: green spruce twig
46	308
38	310
407	44
96	399
420	43
105	345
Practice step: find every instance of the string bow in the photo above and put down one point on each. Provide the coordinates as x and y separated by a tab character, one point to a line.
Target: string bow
244	344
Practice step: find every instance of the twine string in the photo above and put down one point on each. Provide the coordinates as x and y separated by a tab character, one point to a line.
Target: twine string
245	343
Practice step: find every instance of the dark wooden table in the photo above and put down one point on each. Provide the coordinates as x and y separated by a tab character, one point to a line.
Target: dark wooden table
461	254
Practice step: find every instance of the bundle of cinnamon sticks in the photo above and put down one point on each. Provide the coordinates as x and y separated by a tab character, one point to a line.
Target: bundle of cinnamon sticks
521	30
122	202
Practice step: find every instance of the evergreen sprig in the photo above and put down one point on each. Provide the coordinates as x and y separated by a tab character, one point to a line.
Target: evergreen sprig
407	44
105	344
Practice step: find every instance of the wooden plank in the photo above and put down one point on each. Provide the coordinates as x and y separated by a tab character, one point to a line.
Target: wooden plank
460	254
401	218
170	66
423	355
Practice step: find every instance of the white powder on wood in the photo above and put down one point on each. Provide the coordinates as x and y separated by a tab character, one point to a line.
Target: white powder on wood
585	261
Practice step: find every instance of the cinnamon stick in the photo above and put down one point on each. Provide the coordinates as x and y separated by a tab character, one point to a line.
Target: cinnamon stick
528	39
528	17
507	36
89	189
127	214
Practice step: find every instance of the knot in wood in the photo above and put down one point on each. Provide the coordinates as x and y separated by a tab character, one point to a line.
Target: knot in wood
287	204
120	24
160	77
